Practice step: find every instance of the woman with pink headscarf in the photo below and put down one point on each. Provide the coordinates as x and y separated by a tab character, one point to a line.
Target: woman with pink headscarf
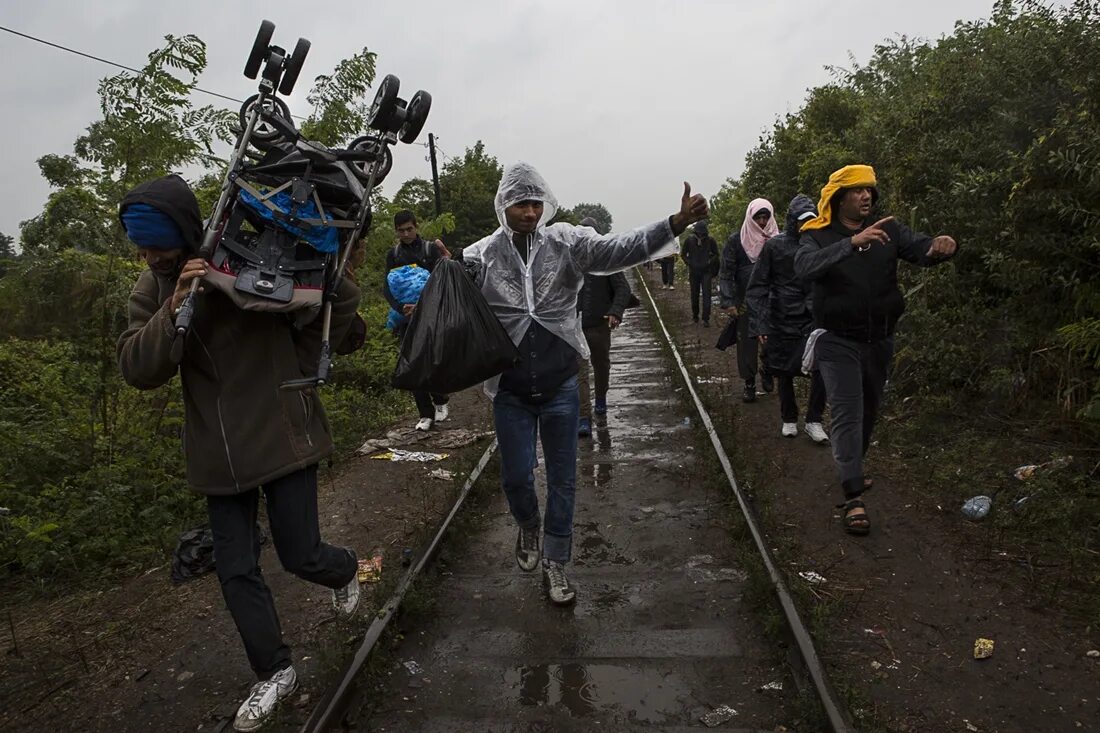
738	258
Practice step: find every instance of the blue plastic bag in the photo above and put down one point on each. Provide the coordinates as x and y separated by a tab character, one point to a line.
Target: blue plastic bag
406	283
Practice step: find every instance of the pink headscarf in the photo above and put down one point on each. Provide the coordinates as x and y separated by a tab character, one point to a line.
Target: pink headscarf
753	235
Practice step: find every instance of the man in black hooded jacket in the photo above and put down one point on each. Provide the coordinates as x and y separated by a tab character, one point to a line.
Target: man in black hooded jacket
700	254
242	433
781	315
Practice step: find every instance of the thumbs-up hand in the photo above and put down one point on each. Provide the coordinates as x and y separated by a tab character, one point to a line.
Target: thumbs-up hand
693	207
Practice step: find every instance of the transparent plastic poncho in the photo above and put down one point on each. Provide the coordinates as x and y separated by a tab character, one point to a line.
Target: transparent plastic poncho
544	289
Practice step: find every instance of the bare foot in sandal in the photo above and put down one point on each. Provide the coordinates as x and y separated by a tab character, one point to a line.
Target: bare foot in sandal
856	520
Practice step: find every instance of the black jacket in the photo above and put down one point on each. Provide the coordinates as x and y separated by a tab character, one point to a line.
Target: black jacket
780	304
419	253
700	254
856	294
602	295
733	280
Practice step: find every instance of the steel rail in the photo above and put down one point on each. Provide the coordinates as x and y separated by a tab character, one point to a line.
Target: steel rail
838	715
328	710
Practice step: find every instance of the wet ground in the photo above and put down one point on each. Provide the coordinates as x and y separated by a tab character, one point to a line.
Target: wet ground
659	635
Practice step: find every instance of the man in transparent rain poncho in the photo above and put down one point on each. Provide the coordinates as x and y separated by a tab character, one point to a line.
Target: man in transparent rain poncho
531	273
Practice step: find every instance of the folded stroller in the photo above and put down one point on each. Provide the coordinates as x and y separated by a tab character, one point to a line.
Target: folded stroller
291	210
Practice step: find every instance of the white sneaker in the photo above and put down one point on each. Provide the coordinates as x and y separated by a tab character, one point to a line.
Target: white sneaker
442	412
345	600
263	698
424	424
790	429
817	433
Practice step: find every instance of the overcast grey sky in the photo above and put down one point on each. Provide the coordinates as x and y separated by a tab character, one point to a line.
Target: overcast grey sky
615	101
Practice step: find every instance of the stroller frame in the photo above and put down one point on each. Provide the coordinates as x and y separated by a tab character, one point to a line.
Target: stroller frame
393	120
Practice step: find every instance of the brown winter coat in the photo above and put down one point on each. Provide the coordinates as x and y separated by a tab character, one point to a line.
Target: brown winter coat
241	430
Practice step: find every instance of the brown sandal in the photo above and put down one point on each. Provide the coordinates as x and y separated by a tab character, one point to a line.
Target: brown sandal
857	524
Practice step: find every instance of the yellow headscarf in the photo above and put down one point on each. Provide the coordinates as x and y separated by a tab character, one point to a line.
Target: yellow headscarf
850	176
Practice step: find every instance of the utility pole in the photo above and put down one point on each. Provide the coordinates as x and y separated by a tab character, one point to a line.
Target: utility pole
435	174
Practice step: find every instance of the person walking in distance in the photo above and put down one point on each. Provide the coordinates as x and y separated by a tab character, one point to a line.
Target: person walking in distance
530	273
668	272
781	318
738	259
602	302
412	250
242	433
700	254
851	257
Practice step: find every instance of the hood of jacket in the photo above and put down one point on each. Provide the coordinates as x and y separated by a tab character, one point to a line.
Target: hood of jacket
174	197
521	182
800	206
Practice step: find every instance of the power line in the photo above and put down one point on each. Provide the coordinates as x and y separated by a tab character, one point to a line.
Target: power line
106	61
127	68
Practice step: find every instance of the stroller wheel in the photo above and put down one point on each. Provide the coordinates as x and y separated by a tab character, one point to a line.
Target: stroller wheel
294	66
384	108
259	49
362	168
416	114
264	131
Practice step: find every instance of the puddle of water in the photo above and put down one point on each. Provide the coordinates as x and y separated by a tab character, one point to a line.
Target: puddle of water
588	689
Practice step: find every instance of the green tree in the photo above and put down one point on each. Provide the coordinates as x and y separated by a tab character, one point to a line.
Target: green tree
340	101
468	185
598	212
149	128
7	247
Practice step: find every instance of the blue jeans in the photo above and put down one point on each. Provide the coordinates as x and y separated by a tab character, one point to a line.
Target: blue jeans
517	425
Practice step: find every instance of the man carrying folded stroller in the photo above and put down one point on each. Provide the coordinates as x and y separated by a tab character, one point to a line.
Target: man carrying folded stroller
242	431
530	274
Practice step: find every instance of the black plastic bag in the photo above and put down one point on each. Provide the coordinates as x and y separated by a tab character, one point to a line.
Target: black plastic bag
728	337
453	340
194	555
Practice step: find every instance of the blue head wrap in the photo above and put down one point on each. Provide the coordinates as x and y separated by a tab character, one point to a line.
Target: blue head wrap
149	227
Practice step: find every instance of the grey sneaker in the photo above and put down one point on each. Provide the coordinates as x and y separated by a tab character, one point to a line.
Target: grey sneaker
527	549
558	588
263	699
345	600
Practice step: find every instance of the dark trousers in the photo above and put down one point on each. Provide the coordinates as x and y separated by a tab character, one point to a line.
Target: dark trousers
748	349
668	271
599	343
788	406
426	402
292	514
854	375
700	283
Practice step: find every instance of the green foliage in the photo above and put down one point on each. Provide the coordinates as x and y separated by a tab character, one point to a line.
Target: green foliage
468	185
1009	167
340	101
149	128
598	212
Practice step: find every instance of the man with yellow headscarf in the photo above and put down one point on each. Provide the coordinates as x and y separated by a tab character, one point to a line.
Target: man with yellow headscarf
851	258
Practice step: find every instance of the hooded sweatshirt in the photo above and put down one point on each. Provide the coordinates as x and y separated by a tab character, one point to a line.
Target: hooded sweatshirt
780	304
537	293
240	429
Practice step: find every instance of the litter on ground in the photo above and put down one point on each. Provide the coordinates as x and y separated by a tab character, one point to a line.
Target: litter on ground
442	474
721	714
406	455
811	577
370	569
983	648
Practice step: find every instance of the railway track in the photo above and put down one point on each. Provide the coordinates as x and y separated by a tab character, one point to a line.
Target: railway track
640	653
